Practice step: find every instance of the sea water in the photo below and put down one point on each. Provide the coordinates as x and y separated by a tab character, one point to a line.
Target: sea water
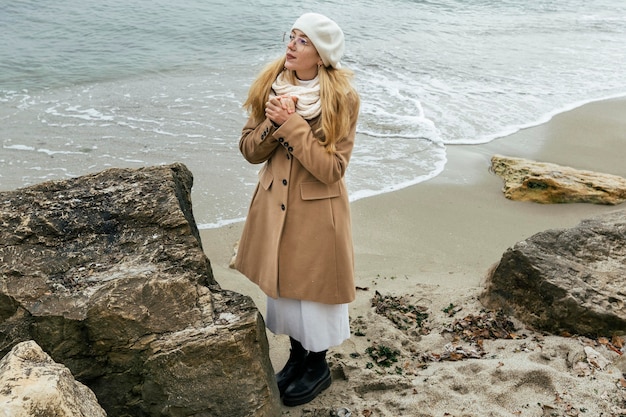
86	85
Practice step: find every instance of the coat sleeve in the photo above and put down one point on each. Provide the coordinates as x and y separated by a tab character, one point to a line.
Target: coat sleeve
256	143
297	137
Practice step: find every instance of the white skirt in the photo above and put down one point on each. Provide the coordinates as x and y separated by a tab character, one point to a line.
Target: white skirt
316	326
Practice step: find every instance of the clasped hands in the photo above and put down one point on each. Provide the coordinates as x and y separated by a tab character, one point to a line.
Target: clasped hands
278	109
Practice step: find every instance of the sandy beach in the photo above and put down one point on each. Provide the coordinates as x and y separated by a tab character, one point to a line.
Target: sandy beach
432	244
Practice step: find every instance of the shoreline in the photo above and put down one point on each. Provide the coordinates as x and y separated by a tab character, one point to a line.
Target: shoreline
438	239
515	132
460	222
416	229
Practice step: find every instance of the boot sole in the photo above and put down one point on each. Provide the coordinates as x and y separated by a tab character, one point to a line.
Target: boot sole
293	401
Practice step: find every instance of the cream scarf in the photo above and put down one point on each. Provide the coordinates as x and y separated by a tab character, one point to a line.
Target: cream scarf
308	105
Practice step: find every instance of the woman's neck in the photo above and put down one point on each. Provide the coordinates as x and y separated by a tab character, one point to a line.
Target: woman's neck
306	76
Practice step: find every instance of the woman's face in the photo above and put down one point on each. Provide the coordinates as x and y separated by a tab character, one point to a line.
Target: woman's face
301	56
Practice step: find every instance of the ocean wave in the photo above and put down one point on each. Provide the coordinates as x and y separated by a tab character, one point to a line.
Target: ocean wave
169	86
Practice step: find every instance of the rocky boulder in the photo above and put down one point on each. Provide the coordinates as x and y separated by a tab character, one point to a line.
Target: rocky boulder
106	273
541	182
34	385
566	280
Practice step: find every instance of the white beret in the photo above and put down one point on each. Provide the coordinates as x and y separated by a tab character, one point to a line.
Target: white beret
326	35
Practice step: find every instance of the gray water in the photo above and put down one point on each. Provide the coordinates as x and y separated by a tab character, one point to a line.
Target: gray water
86	85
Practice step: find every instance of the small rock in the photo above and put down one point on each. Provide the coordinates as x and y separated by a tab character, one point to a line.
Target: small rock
541	182
595	358
33	384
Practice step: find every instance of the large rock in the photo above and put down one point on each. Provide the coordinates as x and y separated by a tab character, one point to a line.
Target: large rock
566	280
541	182
106	273
34	385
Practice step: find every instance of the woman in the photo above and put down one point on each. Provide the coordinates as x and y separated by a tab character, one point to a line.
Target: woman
297	239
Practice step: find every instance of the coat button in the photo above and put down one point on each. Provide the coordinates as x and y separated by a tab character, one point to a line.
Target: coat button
281	140
282	207
284	182
286	144
290	149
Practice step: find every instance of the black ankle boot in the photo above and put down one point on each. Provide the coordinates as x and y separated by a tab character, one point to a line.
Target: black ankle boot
293	368
315	379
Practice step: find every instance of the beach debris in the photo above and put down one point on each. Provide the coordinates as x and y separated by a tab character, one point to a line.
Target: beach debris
561	406
325	412
568	409
451	310
455	352
404	315
452	352
582	369
524	348
359	332
616	344
487	325
383	356
473	328
595	358
617	411
359	326
344	412
341	412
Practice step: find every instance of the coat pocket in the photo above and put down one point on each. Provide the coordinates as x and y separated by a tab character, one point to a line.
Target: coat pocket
318	190
265	177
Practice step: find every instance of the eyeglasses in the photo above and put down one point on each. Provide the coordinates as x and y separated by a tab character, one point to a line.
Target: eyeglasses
300	42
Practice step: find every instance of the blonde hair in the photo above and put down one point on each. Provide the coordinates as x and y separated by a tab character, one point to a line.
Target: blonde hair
340	101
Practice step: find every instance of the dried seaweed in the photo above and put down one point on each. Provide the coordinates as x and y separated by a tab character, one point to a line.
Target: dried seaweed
487	325
384	356
453	352
474	329
403	315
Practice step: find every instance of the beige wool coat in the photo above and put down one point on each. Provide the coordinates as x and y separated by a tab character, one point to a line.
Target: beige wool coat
297	238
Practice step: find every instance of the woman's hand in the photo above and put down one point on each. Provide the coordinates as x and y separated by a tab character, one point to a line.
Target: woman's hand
278	109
